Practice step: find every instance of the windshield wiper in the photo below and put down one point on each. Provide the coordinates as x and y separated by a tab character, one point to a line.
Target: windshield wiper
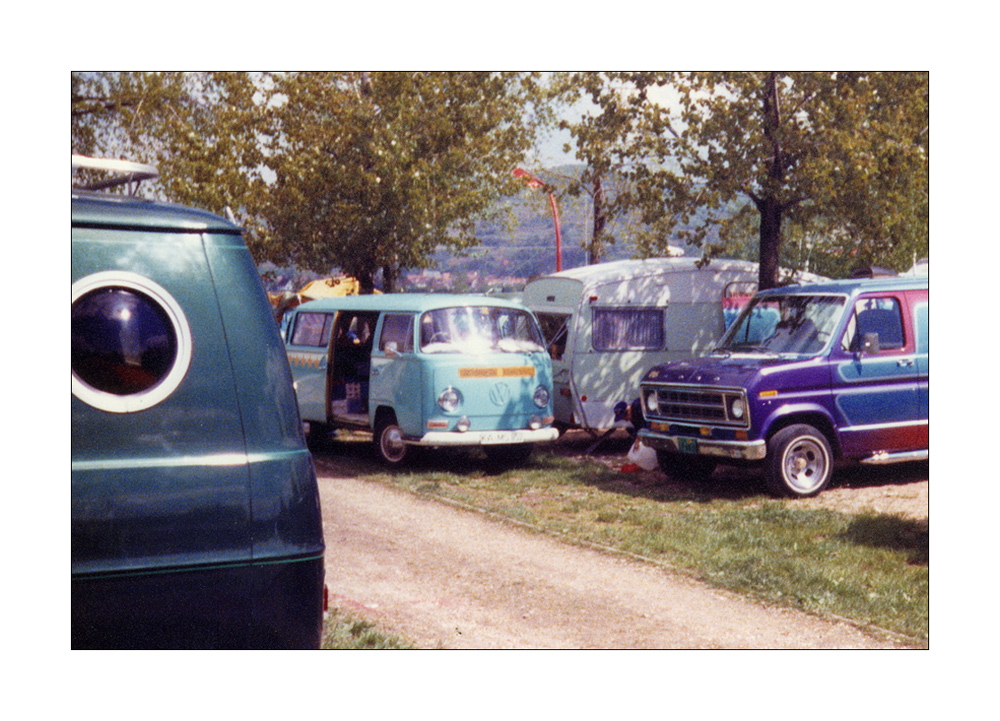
750	348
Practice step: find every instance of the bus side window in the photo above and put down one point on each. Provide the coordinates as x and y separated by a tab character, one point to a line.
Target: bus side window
398	331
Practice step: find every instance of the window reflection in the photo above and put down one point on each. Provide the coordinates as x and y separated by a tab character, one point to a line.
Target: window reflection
122	341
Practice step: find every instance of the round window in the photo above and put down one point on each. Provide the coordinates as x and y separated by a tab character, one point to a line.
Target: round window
131	343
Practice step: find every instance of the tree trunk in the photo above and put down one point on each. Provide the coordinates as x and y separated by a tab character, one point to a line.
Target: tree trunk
366	283
596	250
768	205
390	278
770	241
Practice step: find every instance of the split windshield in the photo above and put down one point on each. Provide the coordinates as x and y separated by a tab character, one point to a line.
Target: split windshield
799	324
478	330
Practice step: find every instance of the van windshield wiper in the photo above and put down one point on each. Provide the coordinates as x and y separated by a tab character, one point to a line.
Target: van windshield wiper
749	348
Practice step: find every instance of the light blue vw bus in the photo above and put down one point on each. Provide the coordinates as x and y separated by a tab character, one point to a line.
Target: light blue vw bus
423	370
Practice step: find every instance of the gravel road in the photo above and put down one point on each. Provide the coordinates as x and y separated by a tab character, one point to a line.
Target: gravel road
445	577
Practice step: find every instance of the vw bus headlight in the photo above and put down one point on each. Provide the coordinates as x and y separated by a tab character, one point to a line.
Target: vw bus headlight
736	408
541	397
449	400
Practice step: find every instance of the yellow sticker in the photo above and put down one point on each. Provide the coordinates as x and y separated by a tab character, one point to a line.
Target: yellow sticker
509	372
313	361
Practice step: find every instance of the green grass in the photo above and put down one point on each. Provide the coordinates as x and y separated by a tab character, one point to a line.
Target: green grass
870	568
344	631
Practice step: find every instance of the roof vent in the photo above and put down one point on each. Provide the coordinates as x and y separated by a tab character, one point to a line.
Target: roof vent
123	172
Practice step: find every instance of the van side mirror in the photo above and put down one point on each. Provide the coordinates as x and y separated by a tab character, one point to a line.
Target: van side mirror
870	344
392	349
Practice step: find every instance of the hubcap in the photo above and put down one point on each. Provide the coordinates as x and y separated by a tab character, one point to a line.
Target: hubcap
805	464
392	443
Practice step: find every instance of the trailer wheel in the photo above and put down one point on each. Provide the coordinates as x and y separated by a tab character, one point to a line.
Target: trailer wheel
389	444
694	470
800	462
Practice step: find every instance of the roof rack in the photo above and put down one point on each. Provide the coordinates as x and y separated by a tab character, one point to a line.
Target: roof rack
125	172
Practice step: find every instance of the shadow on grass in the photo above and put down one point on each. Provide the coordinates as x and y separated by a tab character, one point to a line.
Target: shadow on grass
893	533
736	482
352	454
863	476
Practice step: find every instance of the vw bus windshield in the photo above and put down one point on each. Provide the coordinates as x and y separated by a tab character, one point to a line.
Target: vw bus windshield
478	330
799	324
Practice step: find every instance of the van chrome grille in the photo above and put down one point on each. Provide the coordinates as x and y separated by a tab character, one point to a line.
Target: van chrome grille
696	405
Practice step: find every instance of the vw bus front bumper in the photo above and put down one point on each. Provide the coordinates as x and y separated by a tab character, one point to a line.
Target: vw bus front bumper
485	438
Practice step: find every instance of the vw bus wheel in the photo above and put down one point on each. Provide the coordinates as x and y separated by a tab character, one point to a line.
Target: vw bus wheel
389	442
800	462
694	470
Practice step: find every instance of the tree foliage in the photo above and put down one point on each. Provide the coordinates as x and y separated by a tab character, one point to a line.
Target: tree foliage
203	131
365	171
372	172
613	111
376	170
844	153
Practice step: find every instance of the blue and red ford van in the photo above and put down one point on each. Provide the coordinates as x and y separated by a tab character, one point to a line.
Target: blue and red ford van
805	376
195	510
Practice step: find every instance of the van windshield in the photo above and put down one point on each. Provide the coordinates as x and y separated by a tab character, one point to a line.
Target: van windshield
478	330
800	324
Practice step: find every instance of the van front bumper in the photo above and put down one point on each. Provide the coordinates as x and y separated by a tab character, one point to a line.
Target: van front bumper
484	438
736	450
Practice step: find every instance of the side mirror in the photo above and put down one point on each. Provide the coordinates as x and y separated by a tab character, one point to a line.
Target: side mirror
870	344
392	349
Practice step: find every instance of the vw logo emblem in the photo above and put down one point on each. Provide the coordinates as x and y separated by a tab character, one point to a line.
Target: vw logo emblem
500	394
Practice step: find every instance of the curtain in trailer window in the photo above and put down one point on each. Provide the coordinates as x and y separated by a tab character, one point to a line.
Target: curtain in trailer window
628	328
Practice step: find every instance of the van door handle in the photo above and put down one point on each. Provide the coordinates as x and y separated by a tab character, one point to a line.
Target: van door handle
374	372
905	363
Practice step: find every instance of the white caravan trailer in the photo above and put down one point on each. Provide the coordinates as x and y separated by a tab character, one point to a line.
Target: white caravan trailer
607	324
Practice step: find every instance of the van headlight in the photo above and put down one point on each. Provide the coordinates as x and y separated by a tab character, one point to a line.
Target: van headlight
652	406
449	400
541	396
737	408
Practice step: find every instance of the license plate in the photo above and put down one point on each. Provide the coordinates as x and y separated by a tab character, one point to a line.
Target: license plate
687	445
494	437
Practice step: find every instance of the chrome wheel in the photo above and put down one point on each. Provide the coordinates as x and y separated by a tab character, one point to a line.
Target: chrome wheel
389	443
801	461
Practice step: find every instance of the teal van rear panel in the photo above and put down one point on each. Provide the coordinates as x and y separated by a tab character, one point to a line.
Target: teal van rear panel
195	518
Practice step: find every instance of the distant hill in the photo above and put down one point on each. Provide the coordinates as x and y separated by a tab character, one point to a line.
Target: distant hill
511	249
526	246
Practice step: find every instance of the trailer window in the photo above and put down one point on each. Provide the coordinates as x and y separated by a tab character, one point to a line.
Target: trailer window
628	328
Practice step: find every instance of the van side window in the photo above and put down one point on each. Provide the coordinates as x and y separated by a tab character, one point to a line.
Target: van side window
398	330
312	329
628	328
875	315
